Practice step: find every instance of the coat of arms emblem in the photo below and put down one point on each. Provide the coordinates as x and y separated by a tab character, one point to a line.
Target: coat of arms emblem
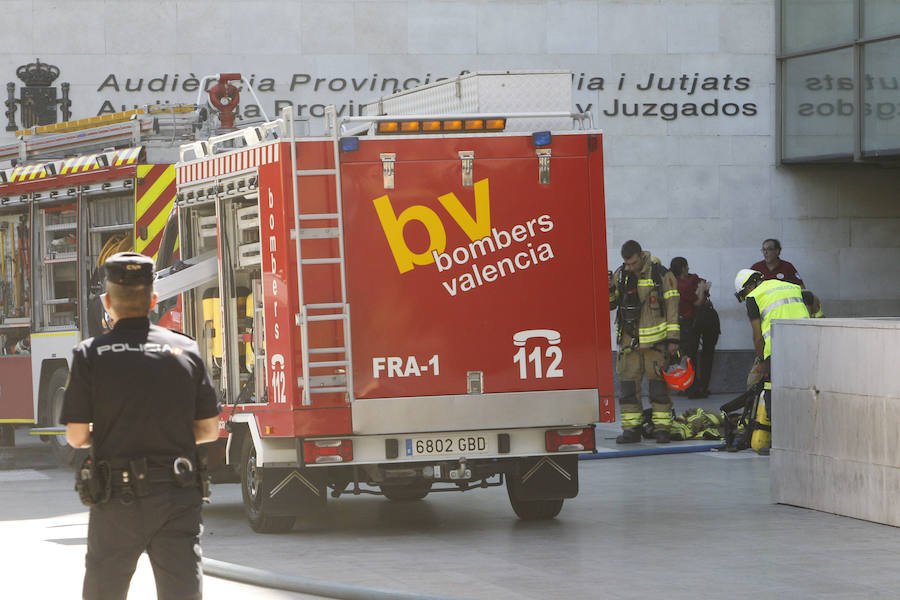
38	100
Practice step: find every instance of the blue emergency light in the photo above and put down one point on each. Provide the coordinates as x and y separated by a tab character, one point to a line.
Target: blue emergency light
541	138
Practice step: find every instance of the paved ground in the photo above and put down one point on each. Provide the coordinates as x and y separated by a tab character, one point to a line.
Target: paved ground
692	526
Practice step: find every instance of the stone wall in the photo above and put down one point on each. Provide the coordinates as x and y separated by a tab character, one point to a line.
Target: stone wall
686	176
835	415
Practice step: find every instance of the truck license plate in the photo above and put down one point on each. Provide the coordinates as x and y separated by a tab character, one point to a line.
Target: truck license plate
459	445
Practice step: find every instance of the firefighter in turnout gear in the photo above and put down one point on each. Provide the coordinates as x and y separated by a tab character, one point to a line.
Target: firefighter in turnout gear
141	398
767	300
645	296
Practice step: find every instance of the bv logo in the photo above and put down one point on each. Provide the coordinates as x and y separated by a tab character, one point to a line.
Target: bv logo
393	224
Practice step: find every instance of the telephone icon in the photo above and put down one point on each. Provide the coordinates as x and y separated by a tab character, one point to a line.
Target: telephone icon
520	338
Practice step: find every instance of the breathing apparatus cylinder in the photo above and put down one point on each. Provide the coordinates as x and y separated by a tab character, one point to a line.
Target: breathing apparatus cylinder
762	425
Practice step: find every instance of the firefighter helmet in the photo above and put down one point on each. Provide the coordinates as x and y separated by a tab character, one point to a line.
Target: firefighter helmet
744	278
679	375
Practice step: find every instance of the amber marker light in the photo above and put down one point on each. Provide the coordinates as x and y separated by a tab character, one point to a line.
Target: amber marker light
431	126
495	124
388	127
410	126
474	124
453	125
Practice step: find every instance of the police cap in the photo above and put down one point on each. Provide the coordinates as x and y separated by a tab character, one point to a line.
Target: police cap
129	268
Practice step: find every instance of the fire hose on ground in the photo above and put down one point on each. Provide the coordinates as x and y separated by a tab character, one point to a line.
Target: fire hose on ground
674	449
303	585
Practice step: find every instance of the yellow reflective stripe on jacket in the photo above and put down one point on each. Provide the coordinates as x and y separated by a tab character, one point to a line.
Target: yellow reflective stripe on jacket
671	294
673	328
777	300
652	334
645	283
775	304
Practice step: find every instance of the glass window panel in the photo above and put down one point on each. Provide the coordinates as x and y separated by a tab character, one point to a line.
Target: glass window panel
880	17
881	96
810	24
818	110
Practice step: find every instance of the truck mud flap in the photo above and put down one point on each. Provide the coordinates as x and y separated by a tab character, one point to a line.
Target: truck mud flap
545	477
292	491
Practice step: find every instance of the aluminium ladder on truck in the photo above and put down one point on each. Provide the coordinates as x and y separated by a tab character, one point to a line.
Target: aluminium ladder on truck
337	309
200	270
163	122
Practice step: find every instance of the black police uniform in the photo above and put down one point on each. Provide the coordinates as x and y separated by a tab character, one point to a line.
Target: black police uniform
142	387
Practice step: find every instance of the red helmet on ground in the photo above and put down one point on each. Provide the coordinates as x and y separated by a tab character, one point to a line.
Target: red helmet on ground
679	375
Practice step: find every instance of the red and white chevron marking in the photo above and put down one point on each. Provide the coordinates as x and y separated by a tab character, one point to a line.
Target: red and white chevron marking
224	164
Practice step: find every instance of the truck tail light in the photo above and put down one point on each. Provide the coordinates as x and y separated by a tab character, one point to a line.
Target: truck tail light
327	451
567	440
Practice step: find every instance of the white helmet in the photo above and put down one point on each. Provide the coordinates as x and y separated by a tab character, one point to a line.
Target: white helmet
744	277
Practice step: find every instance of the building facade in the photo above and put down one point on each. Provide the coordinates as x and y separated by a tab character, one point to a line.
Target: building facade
726	122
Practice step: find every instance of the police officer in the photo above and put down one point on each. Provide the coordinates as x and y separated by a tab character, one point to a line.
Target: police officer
141	398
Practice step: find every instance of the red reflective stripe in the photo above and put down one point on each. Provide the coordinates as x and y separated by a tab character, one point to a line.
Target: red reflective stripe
152	246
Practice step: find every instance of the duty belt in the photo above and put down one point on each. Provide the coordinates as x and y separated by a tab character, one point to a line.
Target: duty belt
134	480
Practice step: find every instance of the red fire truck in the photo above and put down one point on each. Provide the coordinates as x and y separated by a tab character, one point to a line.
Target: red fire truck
414	302
76	193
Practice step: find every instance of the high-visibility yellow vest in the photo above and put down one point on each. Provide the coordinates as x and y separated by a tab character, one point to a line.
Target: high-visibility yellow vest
777	300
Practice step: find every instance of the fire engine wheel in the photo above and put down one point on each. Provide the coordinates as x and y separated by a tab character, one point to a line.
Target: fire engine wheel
406	492
251	489
53	399
534	510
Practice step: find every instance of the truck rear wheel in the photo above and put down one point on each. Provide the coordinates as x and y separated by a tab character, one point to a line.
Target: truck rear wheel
251	489
537	485
406	492
534	510
53	401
